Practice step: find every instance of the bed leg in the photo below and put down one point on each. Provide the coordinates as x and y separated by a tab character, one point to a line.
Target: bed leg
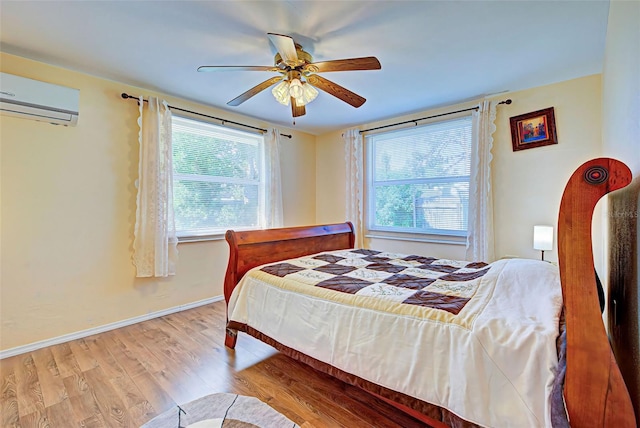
230	338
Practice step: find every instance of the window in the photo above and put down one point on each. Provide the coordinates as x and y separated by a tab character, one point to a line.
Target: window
218	179
418	179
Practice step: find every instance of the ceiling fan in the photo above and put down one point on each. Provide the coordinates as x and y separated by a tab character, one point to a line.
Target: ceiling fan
298	80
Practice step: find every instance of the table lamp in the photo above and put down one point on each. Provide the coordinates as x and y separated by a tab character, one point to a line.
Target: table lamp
543	238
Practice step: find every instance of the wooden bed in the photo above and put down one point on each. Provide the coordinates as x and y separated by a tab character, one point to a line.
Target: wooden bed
594	391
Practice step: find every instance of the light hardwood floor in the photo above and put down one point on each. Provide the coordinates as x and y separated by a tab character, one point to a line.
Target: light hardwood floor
125	377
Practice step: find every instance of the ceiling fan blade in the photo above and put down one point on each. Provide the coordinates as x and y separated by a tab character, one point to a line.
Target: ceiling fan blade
365	63
286	48
336	90
296	110
237	68
254	91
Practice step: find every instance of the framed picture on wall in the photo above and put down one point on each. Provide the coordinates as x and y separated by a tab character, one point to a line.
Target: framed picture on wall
535	129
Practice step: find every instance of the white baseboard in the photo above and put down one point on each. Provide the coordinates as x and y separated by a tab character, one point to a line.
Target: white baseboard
101	329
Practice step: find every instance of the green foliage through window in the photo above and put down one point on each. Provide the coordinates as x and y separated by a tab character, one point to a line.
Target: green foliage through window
217	179
418	179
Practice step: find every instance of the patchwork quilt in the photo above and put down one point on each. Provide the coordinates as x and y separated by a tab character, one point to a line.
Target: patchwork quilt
425	287
477	339
413	280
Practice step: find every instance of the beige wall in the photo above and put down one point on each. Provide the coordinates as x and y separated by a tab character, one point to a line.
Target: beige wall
68	210
621	85
331	178
527	184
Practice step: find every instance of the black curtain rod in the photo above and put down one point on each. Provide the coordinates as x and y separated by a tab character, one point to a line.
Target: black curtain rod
428	117
224	121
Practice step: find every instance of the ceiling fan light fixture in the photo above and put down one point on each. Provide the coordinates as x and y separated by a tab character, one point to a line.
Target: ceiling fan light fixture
309	93
281	92
295	88
297	75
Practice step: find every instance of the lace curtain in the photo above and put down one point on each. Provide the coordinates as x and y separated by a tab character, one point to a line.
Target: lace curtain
273	200
155	242
480	236
353	151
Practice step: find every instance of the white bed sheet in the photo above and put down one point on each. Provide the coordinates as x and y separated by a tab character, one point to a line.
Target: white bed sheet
495	371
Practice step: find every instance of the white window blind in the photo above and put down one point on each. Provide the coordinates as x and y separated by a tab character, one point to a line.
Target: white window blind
218	178
418	179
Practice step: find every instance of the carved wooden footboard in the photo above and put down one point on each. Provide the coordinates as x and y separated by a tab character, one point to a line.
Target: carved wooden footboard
595	393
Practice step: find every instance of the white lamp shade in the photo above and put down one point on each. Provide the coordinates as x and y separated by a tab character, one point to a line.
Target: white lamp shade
281	92
295	88
309	93
543	238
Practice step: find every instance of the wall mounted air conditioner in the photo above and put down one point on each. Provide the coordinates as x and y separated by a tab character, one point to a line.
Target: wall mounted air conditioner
33	99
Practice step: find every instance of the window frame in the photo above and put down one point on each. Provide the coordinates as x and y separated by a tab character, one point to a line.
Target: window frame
191	235
447	236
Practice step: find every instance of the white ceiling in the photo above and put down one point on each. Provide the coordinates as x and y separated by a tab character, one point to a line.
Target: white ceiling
433	53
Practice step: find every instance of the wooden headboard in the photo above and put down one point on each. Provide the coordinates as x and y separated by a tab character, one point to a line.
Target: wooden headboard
248	249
